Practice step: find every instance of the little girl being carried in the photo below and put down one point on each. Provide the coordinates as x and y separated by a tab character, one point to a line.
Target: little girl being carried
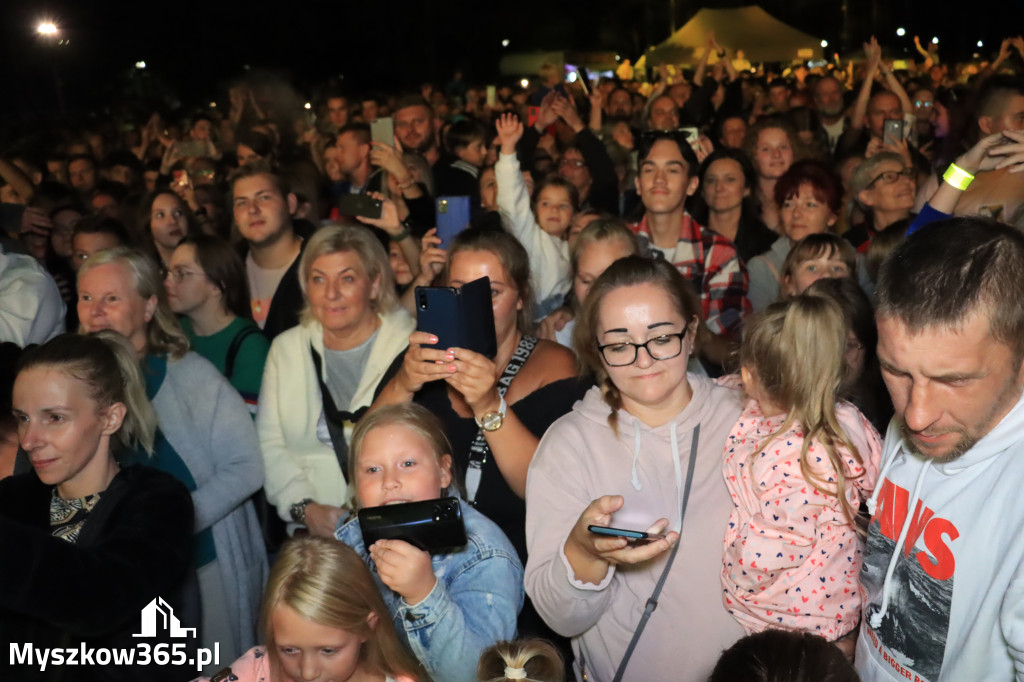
797	464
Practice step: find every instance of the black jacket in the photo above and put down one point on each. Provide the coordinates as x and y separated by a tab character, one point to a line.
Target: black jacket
135	546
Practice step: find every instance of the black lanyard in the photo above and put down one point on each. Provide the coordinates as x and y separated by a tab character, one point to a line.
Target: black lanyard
334	417
479	450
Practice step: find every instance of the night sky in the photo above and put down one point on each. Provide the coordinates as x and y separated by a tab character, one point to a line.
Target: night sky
194	49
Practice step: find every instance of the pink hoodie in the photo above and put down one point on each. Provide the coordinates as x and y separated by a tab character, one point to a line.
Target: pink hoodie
580	459
791	555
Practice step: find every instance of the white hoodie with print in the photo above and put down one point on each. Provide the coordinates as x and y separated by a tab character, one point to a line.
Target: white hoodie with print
944	585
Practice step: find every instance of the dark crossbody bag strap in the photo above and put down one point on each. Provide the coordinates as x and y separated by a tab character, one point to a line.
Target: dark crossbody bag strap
652	603
334	417
236	345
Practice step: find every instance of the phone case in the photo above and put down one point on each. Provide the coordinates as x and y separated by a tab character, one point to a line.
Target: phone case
452	215
383	130
459	318
432	525
359	205
618	532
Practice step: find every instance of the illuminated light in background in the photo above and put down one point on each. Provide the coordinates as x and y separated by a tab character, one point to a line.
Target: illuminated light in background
824	43
981	44
935	40
525	83
901	32
505	42
213	105
308	105
46	28
571	77
140	65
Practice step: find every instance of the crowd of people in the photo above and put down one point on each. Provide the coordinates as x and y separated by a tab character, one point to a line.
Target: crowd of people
751	413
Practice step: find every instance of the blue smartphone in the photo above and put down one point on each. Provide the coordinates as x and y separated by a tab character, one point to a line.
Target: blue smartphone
452	217
632	535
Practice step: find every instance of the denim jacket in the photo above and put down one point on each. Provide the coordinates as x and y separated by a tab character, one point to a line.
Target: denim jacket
475	602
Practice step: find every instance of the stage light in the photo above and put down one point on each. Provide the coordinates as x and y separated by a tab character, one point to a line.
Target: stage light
47	28
901	32
308	105
525	83
981	44
935	40
140	65
505	42
824	43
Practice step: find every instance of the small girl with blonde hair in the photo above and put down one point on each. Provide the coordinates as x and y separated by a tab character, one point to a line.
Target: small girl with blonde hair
797	464
531	660
817	256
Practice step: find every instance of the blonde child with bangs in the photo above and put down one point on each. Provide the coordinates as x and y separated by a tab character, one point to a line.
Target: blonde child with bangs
797	463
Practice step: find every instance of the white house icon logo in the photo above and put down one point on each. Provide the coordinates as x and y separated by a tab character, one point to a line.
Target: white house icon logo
158	614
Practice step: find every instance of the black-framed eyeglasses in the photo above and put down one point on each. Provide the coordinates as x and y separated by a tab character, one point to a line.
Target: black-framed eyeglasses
622	353
889	177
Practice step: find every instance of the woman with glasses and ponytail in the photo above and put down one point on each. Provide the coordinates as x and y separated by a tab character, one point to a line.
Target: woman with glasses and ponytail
641	452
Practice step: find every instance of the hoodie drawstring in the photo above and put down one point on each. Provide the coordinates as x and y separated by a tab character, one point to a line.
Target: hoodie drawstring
677	464
636	456
876	618
873	500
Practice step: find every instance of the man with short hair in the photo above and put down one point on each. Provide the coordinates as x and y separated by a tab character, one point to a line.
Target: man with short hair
828	102
943	573
353	157
414	127
778	96
662	113
82	174
666	176
263	208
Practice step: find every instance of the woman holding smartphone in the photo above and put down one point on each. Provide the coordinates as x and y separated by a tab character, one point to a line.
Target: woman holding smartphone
493	423
642	451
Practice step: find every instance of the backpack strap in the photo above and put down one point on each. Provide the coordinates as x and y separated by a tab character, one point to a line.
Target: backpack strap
235	347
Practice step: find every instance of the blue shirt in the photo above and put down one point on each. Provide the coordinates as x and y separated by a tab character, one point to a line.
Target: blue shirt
473	605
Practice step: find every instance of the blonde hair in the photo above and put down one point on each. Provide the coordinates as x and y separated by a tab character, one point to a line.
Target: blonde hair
626	272
538	658
602	230
327	582
412	417
795	349
106	363
163	333
360	241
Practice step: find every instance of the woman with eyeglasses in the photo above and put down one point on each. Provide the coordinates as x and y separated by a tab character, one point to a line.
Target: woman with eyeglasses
642	451
207	288
884	188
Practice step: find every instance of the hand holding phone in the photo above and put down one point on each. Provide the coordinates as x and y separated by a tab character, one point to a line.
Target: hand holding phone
892	132
638	537
459	318
360	206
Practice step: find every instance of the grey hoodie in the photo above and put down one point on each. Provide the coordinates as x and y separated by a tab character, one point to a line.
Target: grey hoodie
580	459
944	585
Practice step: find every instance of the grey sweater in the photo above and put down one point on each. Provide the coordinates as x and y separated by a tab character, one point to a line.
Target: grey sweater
206	421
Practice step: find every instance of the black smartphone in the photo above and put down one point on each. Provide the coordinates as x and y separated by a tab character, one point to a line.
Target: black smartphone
382	130
459	318
432	525
637	536
359	205
452	217
892	131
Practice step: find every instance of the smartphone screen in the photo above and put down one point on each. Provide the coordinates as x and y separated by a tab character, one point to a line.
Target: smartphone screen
492	95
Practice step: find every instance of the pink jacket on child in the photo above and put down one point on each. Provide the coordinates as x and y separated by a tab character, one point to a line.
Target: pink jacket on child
253	666
791	556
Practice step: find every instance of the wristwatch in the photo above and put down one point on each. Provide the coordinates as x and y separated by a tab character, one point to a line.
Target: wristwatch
492	421
298	511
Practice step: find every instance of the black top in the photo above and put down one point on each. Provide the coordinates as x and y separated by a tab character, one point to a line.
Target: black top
537	412
134	547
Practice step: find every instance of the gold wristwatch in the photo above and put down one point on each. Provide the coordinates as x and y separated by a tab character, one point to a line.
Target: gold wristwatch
492	421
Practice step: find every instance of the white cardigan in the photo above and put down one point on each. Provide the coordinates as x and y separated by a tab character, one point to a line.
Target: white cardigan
298	465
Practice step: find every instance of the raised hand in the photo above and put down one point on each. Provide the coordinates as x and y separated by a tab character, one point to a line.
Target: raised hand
510	131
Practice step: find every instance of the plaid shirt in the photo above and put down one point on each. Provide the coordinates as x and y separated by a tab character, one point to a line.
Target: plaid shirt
710	262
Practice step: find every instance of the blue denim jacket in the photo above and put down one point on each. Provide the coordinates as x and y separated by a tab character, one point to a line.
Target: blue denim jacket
475	602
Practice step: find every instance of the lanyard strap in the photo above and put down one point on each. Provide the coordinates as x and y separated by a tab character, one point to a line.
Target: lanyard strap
479	450
652	603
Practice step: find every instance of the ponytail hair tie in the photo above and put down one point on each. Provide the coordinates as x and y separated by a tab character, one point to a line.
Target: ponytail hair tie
515	673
